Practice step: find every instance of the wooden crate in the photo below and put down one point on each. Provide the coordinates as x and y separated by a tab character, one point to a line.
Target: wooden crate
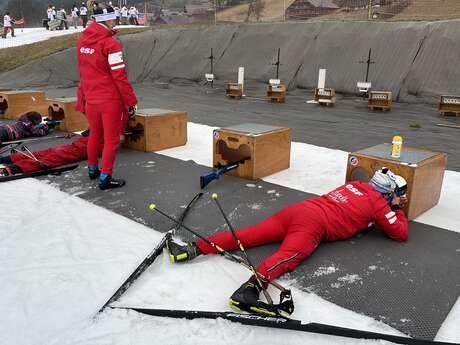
162	129
422	169
380	100
276	93
267	147
325	96
449	105
63	109
15	103
234	90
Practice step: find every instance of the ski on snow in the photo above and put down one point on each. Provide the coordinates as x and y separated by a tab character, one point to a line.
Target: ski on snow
50	171
284	323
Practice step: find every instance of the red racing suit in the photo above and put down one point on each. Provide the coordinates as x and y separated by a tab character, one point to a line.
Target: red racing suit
104	93
52	157
301	227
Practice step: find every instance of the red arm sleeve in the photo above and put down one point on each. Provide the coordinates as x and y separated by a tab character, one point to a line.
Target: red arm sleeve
118	71
81	101
393	223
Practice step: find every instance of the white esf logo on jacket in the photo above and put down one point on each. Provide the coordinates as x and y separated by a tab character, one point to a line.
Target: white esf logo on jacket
89	51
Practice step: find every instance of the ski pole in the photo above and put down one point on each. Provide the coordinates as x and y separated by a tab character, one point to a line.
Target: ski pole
240	245
221	251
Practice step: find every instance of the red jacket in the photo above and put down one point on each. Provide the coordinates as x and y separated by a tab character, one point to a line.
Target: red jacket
355	206
103	76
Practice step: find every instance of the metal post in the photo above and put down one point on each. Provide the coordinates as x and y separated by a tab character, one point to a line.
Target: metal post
284	10
368	64
215	12
278	64
369	15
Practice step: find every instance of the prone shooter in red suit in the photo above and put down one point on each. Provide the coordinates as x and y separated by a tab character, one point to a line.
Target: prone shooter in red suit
51	157
301	227
104	93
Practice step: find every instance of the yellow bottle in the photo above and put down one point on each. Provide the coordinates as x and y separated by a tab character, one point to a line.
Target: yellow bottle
396	146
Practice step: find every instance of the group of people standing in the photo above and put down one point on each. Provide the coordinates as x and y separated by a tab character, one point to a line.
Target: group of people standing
124	15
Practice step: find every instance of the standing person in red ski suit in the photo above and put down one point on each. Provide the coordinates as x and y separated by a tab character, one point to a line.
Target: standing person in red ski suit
104	94
301	227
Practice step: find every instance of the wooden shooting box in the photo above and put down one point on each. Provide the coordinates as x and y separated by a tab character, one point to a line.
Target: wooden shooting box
267	149
63	109
422	169
380	100
325	96
276	92
15	103
234	90
449	105
162	129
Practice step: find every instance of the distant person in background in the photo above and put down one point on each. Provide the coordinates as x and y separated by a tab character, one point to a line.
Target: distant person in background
62	17
133	16
74	16
124	15
49	15
84	14
118	14
53	12
8	25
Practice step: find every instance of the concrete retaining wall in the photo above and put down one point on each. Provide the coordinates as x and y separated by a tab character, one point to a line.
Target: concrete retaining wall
417	61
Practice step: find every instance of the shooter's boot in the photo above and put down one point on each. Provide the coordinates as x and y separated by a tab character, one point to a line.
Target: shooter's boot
246	298
180	253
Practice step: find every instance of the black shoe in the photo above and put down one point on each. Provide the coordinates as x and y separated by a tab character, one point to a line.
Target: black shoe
246	298
179	253
110	183
94	174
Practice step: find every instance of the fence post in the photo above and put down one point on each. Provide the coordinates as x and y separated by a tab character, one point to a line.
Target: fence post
369	15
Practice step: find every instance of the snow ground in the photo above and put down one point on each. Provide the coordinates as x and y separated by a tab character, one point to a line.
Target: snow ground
62	257
32	35
318	170
58	270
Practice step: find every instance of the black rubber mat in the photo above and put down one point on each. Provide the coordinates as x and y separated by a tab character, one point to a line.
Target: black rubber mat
411	286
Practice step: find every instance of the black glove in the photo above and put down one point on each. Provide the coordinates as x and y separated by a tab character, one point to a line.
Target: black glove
132	111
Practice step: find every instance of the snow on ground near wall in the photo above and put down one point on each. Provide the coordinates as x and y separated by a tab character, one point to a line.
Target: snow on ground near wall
318	170
62	257
32	35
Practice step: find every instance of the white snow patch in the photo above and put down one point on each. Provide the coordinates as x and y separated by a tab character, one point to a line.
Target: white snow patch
321	271
33	35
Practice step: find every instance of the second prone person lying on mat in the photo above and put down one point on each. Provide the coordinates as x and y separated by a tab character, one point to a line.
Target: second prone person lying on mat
27	125
301	227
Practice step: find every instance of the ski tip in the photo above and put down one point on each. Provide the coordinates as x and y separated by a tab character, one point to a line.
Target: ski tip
214	196
152	206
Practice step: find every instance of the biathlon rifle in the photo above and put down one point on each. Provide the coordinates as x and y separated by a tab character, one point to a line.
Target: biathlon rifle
219	170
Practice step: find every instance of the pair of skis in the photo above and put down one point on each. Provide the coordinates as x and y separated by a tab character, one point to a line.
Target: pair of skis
284	323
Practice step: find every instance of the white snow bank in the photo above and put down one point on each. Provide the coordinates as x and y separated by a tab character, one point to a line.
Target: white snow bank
318	170
62	257
32	35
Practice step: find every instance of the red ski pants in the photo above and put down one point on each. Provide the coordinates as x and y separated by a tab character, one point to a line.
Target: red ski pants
106	121
298	227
